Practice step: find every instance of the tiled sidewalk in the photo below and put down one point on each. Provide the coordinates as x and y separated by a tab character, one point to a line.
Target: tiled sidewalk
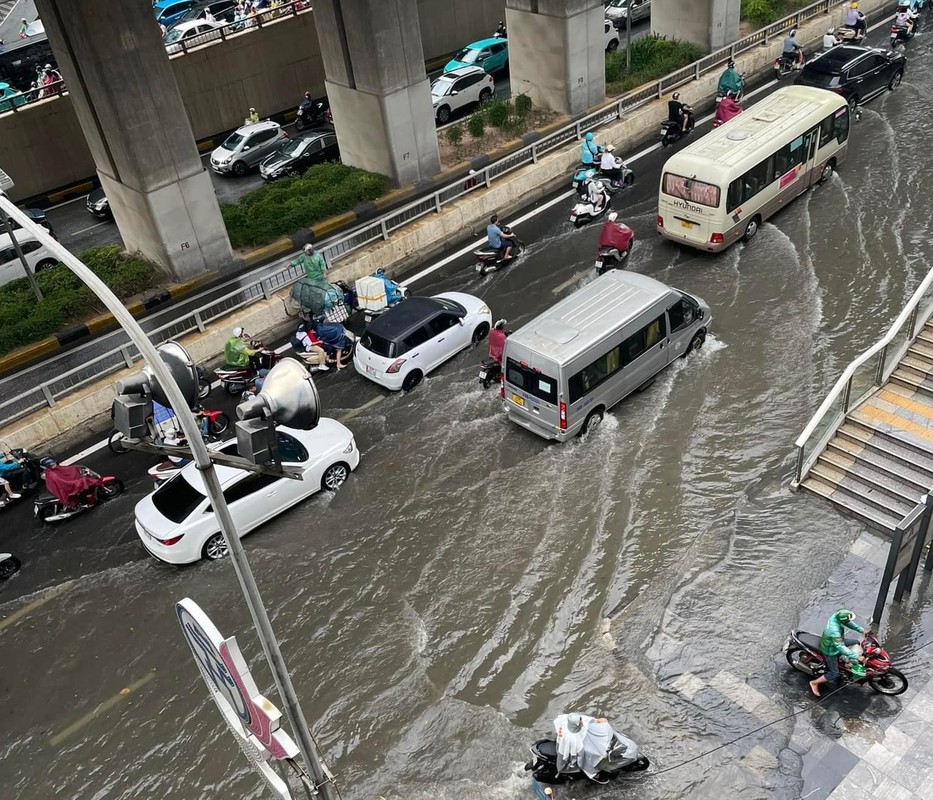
859	745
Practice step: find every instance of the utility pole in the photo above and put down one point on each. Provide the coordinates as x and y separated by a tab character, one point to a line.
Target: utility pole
628	38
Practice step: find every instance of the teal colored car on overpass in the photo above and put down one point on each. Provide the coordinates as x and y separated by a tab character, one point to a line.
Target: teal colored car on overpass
490	54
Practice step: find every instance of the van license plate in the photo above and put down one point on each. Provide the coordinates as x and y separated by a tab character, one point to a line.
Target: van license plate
687	224
519	401
482	373
598	263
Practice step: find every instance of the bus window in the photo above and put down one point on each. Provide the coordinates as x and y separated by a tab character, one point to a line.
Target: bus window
743	189
827	130
842	125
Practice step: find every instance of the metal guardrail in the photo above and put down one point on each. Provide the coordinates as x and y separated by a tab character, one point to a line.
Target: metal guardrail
47	393
240	27
864	375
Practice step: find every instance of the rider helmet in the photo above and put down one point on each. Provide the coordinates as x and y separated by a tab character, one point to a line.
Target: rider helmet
500	324
731	64
238	331
308	95
613	216
47	462
610	148
309	248
380	272
675	96
854	5
589	137
844	615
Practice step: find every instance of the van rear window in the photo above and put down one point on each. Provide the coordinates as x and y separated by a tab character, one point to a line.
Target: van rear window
532	381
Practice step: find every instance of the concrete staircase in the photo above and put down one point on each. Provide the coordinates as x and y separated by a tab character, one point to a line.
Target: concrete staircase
880	461
6	6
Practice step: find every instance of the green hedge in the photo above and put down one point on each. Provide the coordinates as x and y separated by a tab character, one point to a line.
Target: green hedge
653	57
287	205
67	299
764	12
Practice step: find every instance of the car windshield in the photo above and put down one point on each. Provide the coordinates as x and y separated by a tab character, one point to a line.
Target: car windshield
174	35
467	55
441	86
293	147
176	499
233	141
378	345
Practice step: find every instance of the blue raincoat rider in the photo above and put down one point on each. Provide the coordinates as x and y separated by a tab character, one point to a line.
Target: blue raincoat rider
589	150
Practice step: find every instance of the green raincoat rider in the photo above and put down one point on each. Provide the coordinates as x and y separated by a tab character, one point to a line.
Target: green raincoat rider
832	645
730	81
313	263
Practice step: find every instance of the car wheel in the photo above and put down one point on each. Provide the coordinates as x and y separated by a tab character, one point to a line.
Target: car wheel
751	229
895	81
828	169
9	567
412	379
215	547
593	420
485	96
481	332
239	169
45	264
443	114
613	46
334	477
696	343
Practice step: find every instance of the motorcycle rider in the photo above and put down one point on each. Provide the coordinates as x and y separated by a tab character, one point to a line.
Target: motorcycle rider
10	494
609	165
730	81
727	109
497	337
13	467
238	353
589	150
498	239
832	646
829	39
500	31
678	113
312	262
793	52
70	484
855	19
904	20
596	194
333	338
310	348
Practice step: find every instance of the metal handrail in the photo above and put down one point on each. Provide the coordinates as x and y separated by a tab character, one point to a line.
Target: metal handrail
843	386
47	392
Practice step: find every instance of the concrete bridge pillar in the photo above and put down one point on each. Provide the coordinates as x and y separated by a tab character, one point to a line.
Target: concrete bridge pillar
557	52
712	24
130	110
378	90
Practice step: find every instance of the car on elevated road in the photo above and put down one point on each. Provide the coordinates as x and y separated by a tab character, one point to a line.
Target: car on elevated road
618	10
461	87
491	54
176	523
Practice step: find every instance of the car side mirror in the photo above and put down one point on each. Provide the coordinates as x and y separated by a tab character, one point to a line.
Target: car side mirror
246	148
460	320
453	92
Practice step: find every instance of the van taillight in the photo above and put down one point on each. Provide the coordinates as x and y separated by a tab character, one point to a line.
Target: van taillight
716	238
660	221
502	385
563	415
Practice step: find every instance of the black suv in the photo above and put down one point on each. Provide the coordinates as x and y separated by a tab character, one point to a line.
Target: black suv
857	73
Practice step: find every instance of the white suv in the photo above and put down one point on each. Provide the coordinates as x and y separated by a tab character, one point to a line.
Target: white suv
612	36
458	88
37	256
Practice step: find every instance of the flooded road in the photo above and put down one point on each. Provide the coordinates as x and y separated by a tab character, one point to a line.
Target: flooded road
471	581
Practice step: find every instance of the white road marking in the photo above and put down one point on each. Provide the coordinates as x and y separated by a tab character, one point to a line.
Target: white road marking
85	230
27	609
357	411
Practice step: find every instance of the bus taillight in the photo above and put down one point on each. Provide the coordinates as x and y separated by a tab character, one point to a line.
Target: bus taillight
563	415
660	221
716	238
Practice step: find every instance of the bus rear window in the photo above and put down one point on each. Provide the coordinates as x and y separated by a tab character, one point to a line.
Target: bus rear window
531	381
695	191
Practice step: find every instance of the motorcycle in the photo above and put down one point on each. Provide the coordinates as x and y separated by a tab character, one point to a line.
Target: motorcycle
586	210
310	114
672	131
615	244
48	508
621	757
784	65
848	35
236	380
613	184
488	259
500	32
335	337
204	383
489	370
900	35
26	476
9	566
726	110
802	651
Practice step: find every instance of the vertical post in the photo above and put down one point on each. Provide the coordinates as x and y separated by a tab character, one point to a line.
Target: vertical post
922	537
883	355
912	324
893	551
846	396
628	39
22	258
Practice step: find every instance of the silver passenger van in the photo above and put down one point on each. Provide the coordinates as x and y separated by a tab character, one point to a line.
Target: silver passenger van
564	369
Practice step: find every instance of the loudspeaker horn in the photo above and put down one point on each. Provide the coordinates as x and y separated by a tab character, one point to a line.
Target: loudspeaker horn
288	395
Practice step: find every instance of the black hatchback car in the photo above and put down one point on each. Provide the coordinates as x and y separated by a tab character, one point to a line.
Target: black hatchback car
297	155
857	73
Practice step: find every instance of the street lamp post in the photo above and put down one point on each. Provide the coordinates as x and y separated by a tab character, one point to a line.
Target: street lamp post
5	185
322	778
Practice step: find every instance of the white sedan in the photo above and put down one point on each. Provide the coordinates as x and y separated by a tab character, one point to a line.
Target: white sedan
405	343
177	524
192	33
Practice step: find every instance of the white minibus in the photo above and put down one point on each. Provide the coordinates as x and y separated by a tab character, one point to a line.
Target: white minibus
563	370
723	186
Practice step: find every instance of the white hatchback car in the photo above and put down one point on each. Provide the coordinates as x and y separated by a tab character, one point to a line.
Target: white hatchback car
611	40
37	256
404	344
191	33
460	87
177	524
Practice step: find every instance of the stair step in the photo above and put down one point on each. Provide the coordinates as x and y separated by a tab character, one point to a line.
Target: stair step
866	492
917	363
910	473
912	380
894	486
921	353
851	505
922	348
926	335
889	443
